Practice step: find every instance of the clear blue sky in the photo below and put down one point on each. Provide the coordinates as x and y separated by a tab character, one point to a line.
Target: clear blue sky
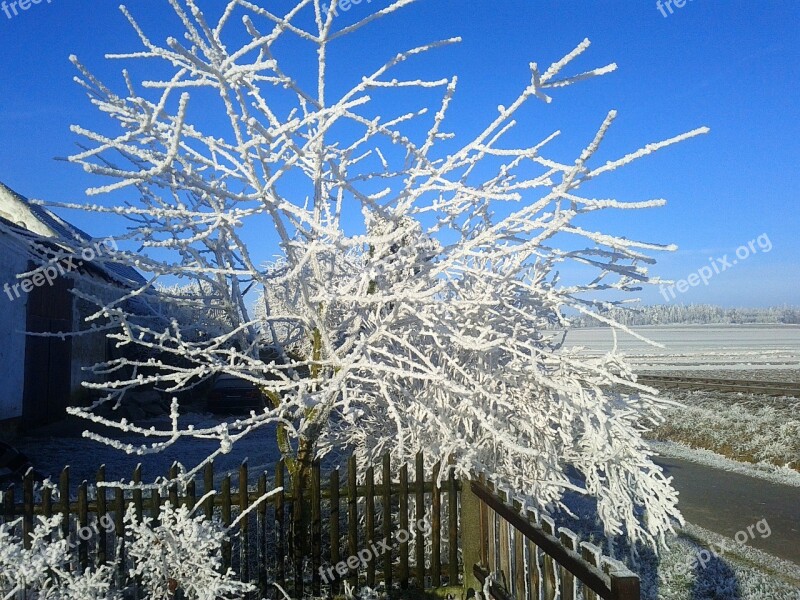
733	66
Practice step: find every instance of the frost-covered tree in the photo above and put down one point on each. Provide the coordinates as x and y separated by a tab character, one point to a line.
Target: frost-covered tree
417	272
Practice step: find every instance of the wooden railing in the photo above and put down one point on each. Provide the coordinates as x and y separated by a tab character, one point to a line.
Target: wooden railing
518	556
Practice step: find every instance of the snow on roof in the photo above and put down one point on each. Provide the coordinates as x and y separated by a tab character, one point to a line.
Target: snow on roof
17	209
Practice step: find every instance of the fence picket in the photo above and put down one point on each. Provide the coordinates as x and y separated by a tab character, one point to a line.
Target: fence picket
27	510
208	486
504	550
119	530
102	517
261	527
244	524
452	508
63	493
316	527
334	527
190	500
280	530
419	541
534	567
386	480
404	527
570	542
226	520
155	506
519	578
590	554
436	528
369	532
549	575
138	500
173	488
83	525
47	502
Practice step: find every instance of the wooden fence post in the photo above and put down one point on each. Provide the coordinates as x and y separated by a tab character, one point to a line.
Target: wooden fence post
436	528
352	517
386	480
334	528
452	534
471	532
419	499
404	526
102	517
27	510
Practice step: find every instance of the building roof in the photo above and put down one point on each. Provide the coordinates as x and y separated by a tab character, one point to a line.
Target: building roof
17	209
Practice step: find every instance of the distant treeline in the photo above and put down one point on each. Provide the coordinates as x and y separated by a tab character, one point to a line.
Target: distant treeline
691	314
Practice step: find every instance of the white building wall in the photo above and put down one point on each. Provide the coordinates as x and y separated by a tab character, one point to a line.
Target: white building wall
12	326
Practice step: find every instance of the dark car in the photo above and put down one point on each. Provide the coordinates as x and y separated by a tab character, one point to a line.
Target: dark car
14	465
231	394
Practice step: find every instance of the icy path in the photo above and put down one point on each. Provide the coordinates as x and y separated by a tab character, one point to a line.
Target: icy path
727	503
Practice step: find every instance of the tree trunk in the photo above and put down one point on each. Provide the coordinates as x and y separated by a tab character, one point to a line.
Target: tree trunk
301	509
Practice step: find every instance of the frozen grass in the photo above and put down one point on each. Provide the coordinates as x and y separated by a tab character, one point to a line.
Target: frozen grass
739	574
745	427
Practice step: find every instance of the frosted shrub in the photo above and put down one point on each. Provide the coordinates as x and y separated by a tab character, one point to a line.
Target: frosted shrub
43	571
181	552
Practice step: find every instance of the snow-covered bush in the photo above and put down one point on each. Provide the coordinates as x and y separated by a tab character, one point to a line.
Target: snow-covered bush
422	268
180	552
43	571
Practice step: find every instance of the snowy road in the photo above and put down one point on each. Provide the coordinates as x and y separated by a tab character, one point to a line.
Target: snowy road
727	503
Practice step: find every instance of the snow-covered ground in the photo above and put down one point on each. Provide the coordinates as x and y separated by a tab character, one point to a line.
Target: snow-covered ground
50	452
700	347
739	572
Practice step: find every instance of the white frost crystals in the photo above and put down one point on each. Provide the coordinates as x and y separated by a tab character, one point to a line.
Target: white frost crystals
411	303
181	552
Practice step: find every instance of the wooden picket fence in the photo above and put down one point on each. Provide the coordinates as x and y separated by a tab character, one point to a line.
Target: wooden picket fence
346	518
471	533
522	556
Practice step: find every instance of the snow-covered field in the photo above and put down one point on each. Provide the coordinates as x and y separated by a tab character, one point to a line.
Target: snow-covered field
700	347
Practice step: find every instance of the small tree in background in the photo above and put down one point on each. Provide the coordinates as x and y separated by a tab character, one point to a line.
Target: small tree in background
412	302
